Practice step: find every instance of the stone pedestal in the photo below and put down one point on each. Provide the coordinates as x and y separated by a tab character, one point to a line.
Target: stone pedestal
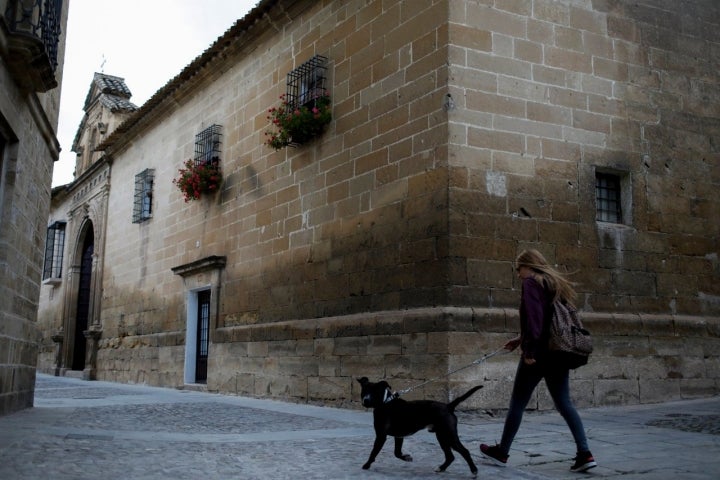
92	336
58	338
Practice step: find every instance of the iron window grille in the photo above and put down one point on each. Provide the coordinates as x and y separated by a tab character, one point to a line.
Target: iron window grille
306	83
207	145
142	207
38	21
607	197
54	247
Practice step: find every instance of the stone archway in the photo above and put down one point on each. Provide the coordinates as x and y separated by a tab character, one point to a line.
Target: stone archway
80	330
79	299
84	297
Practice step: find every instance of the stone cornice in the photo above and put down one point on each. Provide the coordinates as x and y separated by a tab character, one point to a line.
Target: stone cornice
213	262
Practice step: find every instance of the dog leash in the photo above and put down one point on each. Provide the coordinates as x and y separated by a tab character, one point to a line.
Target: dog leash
474	362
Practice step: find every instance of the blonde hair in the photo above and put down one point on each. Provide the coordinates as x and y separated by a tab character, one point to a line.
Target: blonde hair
549	277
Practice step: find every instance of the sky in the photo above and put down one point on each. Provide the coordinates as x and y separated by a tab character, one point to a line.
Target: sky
146	42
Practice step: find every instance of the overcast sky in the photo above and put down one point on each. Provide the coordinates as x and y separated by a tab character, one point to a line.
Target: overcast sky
146	42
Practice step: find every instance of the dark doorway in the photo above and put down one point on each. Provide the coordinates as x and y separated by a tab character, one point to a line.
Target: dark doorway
83	301
203	329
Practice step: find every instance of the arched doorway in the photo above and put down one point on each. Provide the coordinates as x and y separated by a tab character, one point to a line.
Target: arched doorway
83	300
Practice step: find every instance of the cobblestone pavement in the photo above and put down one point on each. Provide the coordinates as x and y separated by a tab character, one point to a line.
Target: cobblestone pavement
90	430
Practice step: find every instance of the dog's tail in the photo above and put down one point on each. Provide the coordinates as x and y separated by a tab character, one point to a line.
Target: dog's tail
463	397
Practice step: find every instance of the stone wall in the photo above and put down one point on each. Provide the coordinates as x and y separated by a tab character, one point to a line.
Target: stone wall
547	93
28	148
637	358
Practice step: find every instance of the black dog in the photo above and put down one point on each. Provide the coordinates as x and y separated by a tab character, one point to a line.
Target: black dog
399	418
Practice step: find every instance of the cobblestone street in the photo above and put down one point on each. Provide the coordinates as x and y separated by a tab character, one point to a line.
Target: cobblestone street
90	430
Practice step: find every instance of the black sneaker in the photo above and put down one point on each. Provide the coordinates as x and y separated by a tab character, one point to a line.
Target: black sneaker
583	461
493	453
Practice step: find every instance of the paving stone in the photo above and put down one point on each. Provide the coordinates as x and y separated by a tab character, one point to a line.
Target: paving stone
89	430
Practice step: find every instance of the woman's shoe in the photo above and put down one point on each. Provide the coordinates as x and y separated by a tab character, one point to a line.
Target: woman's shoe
583	461
493	453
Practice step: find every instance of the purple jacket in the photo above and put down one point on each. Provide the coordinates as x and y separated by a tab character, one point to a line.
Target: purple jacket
535	315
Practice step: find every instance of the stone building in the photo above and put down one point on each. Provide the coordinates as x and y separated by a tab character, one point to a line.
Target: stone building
32	46
462	132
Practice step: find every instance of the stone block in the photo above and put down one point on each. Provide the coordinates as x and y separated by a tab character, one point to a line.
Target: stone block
660	390
245	384
610	69
661	345
428	366
258	349
496	20
414	343
328	366
299	366
329	389
687	326
503	141
698	387
365	366
351	346
385	345
438	342
293	387
616	392
463	343
493	319
658	325
399	367
495	395
635	283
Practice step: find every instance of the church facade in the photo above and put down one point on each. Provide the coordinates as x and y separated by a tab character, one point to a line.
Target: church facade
339	189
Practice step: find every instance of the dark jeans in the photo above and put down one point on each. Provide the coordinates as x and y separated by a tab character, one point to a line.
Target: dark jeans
558	384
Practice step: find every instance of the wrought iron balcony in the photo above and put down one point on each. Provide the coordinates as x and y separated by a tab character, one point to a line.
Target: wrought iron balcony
32	31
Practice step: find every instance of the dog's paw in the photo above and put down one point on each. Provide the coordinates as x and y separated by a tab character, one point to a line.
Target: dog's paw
405	457
366	466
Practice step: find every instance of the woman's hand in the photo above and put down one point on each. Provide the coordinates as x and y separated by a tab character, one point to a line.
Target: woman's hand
512	344
529	361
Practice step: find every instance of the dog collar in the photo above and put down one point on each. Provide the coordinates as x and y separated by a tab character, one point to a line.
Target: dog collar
389	396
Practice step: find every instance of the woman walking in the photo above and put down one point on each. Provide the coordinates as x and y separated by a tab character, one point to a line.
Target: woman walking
541	285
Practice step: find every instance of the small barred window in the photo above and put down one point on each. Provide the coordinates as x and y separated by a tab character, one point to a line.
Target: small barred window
306	83
207	145
608	198
143	205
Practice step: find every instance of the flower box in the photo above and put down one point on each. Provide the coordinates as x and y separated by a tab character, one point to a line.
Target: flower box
294	126
197	178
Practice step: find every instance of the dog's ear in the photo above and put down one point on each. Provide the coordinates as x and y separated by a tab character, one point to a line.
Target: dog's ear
362	380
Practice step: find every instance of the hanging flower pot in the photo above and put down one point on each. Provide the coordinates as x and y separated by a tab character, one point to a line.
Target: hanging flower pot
197	178
298	125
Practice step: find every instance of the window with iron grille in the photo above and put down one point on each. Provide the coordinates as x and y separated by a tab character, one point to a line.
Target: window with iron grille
142	207
39	18
608	191
306	83
54	246
34	34
207	145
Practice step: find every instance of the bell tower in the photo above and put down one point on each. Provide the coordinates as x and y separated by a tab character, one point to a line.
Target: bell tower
107	105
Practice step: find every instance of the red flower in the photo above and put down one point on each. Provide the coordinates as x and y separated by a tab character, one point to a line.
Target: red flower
197	178
299	124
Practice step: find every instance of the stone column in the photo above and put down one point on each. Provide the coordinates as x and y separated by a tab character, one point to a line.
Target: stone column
58	338
92	336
